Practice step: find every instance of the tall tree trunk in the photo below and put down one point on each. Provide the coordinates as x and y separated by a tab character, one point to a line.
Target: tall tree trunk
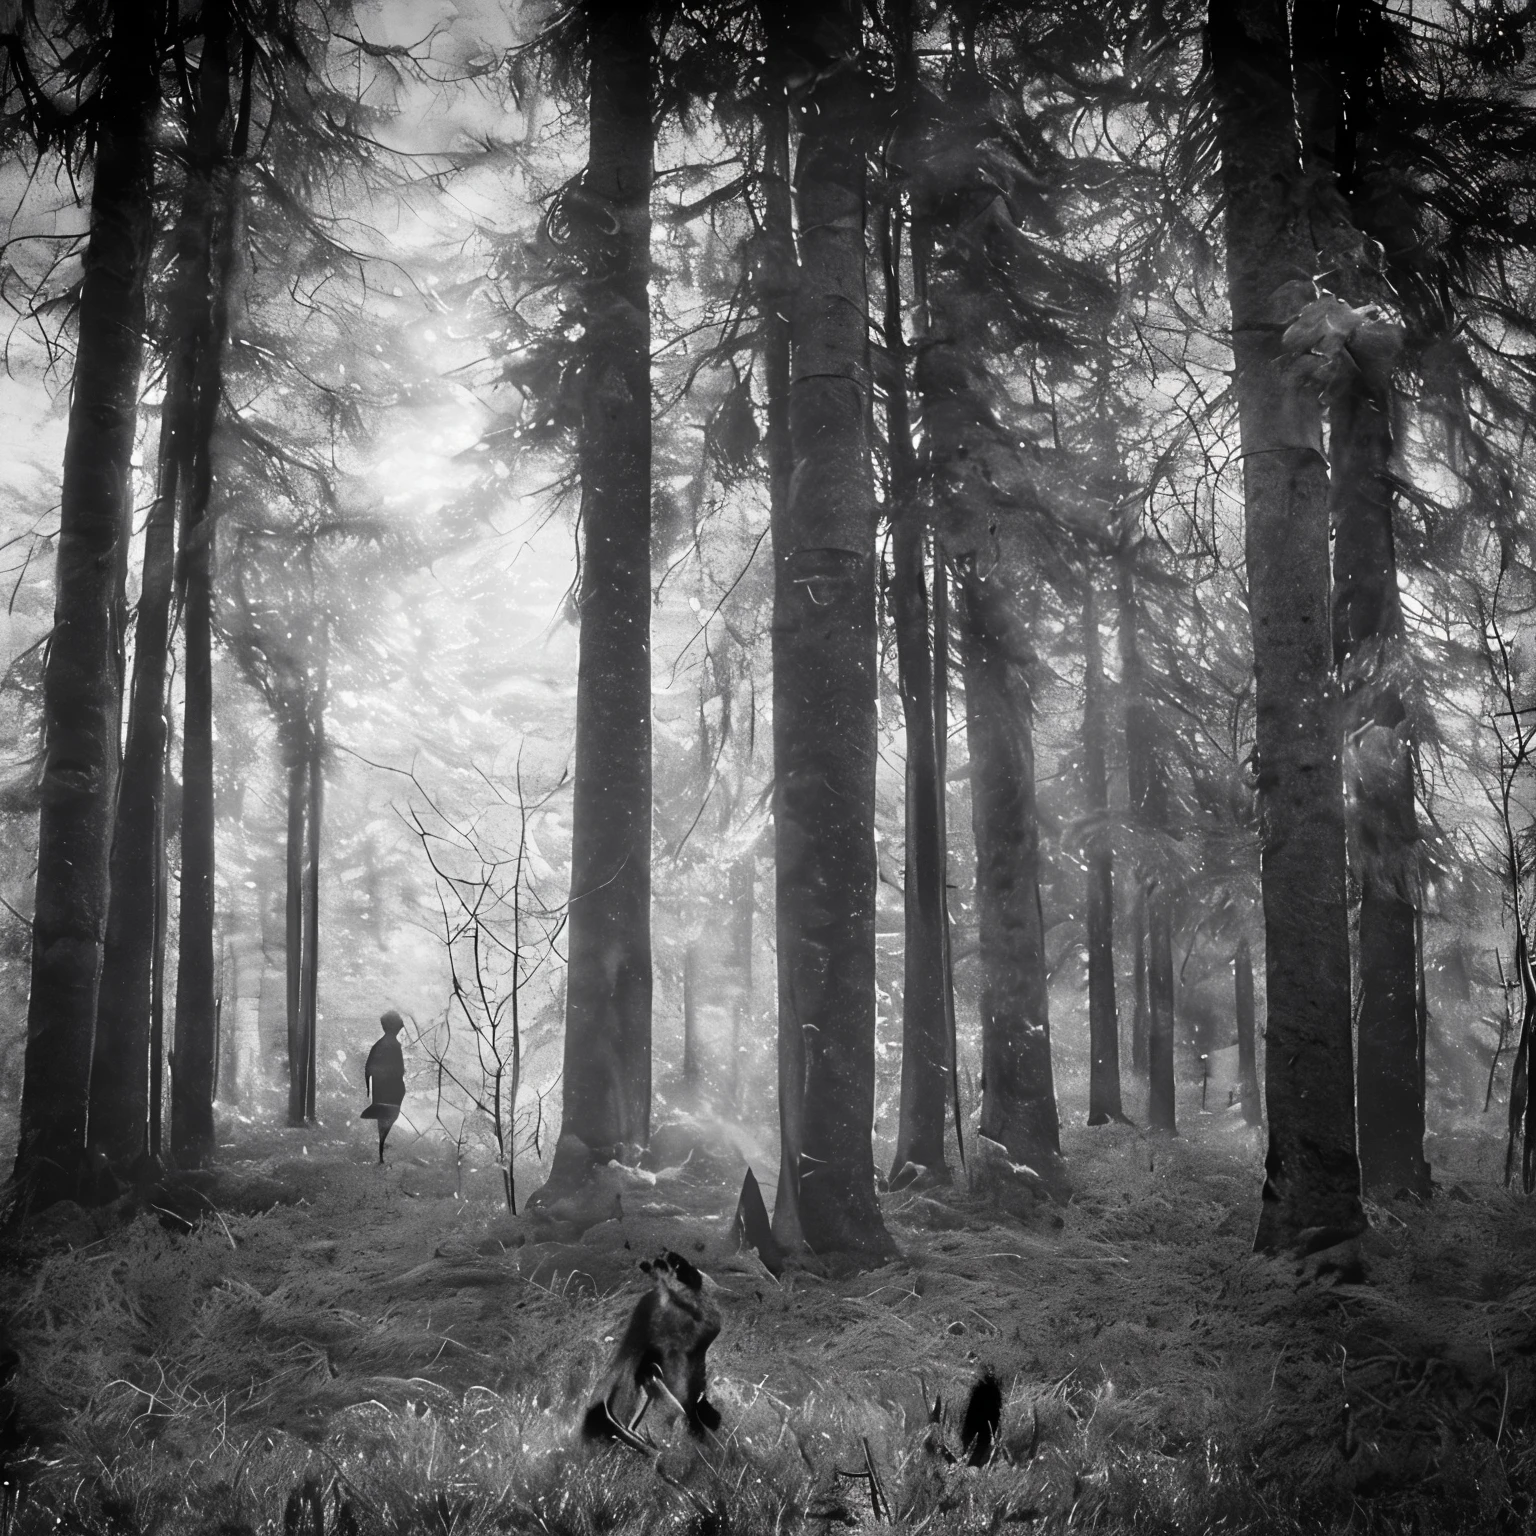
192	1086
120	1068
925	1026
83	676
606	1102
777	281
941	579
310	979
1378	753
1336	59
120	1071
1103	1017
1018	1100
298	1044
1151	817
271	1019
824	717
162	905
1247	1047
1312	1175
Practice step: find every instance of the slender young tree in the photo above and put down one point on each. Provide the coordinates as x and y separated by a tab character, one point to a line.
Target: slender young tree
775	283
1148	792
294	908
120	1071
925	1044
1103	1018
83	677
195	1061
309	937
606	1087
1312	1175
824	686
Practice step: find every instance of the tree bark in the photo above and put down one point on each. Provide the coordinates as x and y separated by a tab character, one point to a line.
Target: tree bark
1312	1175
83	675
1018	1101
824	715
607	1081
1368	651
1336	60
1103	1018
925	1027
1247	1052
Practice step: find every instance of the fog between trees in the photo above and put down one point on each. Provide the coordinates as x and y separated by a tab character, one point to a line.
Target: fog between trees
833	585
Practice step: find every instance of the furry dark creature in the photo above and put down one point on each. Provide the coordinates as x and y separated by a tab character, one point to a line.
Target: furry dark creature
660	1356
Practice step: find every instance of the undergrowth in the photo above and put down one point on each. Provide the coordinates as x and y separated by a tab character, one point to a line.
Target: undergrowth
326	1349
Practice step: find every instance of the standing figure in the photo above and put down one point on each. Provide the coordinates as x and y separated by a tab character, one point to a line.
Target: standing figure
384	1075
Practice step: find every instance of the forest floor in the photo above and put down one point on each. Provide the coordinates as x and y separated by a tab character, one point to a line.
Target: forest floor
328	1346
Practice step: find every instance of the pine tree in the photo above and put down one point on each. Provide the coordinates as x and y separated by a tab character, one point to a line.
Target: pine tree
1312	1175
83	679
606	1088
824	722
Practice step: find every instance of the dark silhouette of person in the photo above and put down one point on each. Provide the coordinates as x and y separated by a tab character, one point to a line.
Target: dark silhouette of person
384	1075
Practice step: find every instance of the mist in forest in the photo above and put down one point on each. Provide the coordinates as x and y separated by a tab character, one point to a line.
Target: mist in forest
875	651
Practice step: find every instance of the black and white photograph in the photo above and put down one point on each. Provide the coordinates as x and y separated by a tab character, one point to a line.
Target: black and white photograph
767	767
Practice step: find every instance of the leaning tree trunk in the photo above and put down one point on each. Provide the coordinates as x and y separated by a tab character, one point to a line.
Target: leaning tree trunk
1103	1019
824	686
925	1024
1151	816
606	1103
1018	1100
1335	60
83	676
1312	1175
196	1062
